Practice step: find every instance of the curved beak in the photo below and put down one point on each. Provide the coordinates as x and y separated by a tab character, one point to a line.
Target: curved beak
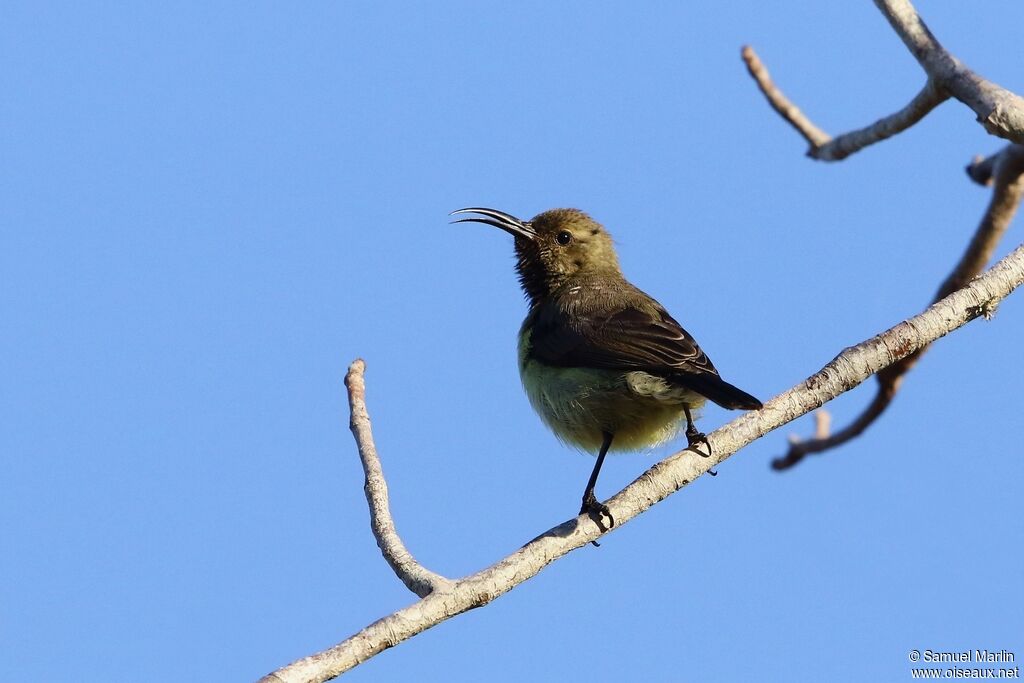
499	219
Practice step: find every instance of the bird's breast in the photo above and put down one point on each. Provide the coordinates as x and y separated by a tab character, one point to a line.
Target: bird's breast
580	404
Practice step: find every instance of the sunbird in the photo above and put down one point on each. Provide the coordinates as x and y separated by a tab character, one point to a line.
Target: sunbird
603	364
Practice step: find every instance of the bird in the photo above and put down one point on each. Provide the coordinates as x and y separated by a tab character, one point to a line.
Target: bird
603	364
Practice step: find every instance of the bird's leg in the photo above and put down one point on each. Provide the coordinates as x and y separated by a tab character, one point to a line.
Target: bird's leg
591	505
693	437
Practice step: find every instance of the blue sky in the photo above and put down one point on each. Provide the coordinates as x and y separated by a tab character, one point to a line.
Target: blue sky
208	210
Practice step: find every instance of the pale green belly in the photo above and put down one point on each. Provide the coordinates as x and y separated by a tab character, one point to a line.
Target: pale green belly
581	404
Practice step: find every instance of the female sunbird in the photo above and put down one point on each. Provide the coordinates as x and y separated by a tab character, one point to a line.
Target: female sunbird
603	364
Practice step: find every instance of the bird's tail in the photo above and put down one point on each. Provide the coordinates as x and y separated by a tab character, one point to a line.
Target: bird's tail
721	392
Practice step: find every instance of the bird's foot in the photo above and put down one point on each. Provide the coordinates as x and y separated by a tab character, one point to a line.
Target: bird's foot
596	510
694	439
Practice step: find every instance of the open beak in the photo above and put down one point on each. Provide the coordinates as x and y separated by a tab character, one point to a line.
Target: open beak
499	219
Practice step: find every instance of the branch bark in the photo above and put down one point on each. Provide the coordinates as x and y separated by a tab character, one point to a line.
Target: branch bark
999	111
847	370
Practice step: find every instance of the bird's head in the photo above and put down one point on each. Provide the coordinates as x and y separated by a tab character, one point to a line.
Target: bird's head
553	247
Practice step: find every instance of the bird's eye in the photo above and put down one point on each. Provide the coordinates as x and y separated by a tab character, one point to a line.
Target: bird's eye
564	237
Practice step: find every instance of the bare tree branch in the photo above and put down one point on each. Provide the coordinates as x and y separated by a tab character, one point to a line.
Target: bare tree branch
415	576
847	370
1007	171
824	147
1000	111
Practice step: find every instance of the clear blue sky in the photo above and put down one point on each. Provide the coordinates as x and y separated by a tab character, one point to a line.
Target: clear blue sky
209	209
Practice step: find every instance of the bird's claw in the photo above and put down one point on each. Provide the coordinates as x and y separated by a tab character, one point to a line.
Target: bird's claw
694	439
596	510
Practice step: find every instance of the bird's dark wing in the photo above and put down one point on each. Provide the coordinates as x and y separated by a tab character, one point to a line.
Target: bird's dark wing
628	338
638	336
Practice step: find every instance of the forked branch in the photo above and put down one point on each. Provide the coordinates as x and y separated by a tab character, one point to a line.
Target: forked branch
1000	111
823	146
1006	172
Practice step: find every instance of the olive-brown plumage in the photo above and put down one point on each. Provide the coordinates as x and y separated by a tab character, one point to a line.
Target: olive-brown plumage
603	364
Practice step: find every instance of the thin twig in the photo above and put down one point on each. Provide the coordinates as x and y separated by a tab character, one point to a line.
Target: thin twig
824	147
815	136
414	575
849	369
1008	176
930	96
